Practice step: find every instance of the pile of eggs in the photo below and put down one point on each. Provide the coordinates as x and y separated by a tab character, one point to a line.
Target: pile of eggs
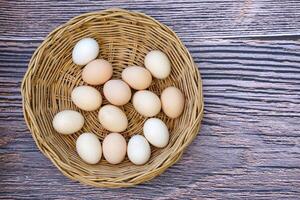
118	93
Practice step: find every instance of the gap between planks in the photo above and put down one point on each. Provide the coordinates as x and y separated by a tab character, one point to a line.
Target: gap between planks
293	36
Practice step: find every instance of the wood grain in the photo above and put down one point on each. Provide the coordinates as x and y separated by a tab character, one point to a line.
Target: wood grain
249	144
190	18
248	147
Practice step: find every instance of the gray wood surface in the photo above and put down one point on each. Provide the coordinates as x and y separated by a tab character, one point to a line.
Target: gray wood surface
190	18
249	144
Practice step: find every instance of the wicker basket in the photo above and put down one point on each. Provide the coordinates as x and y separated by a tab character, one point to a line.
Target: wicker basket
125	38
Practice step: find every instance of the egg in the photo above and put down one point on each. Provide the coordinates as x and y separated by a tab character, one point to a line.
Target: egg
97	72
85	50
68	122
138	78
88	148
117	92
138	150
156	132
146	103
158	64
172	100
114	148
86	98
112	118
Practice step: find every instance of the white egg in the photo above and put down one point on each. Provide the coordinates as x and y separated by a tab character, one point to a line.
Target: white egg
85	50
68	122
138	150
156	132
86	98
146	103
113	118
89	148
158	64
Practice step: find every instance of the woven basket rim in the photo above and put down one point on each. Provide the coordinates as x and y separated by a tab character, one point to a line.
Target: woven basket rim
45	149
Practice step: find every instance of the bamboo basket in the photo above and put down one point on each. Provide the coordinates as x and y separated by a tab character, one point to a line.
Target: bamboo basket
124	38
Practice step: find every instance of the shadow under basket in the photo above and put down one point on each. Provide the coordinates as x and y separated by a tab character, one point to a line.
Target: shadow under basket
124	38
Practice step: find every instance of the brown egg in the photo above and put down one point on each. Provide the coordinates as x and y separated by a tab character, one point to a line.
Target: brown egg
172	100
114	148
117	92
97	72
138	78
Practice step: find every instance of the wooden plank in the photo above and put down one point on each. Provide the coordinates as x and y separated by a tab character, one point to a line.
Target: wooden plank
248	147
190	19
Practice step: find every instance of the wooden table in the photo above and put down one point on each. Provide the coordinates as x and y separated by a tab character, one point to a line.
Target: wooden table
248	53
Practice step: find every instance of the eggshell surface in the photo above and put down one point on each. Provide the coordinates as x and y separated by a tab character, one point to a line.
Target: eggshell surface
138	150
158	64
113	118
172	100
85	50
97	72
146	103
68	122
89	148
138	78
117	92
156	132
114	148
86	98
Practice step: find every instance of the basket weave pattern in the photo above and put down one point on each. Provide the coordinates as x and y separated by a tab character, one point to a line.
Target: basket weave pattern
124	38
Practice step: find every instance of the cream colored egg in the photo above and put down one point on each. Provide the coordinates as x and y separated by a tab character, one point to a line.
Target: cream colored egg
117	92
113	118
138	78
85	50
156	132
86	98
68	122
138	150
89	148
114	148
97	72
172	100
146	103
158	64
